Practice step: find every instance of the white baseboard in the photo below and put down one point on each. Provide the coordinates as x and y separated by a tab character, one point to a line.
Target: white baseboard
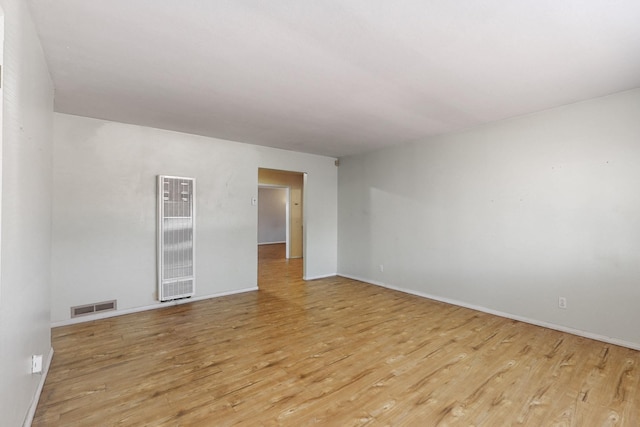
271	243
319	277
36	397
147	307
578	332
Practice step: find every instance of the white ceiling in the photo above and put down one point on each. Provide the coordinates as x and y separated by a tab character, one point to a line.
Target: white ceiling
333	77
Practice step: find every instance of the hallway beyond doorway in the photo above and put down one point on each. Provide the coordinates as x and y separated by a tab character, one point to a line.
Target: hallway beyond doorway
275	271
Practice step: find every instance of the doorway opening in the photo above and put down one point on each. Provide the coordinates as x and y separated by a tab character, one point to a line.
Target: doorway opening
280	227
274	216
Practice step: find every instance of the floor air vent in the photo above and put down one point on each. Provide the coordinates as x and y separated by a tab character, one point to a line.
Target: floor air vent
99	307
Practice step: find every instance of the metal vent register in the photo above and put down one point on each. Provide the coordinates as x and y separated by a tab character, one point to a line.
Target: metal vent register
176	225
98	307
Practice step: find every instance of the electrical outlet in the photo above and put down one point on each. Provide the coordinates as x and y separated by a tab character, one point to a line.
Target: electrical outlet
381	268
36	364
562	302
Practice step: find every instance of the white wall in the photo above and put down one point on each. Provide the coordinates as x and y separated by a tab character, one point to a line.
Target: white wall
104	210
26	213
272	211
508	217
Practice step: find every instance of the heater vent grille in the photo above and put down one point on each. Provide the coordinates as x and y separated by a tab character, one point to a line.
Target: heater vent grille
98	307
178	289
176	224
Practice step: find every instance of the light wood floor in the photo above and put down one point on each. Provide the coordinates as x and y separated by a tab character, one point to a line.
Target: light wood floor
333	352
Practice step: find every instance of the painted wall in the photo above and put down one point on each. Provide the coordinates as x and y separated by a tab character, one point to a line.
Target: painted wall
26	213
104	210
295	182
272	211
508	217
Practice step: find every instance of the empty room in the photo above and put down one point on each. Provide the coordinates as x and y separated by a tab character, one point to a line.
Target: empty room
341	213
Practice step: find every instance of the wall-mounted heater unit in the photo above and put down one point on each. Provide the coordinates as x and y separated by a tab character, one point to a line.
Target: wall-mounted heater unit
176	227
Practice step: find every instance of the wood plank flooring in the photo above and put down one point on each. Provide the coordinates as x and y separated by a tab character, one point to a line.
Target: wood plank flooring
333	352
